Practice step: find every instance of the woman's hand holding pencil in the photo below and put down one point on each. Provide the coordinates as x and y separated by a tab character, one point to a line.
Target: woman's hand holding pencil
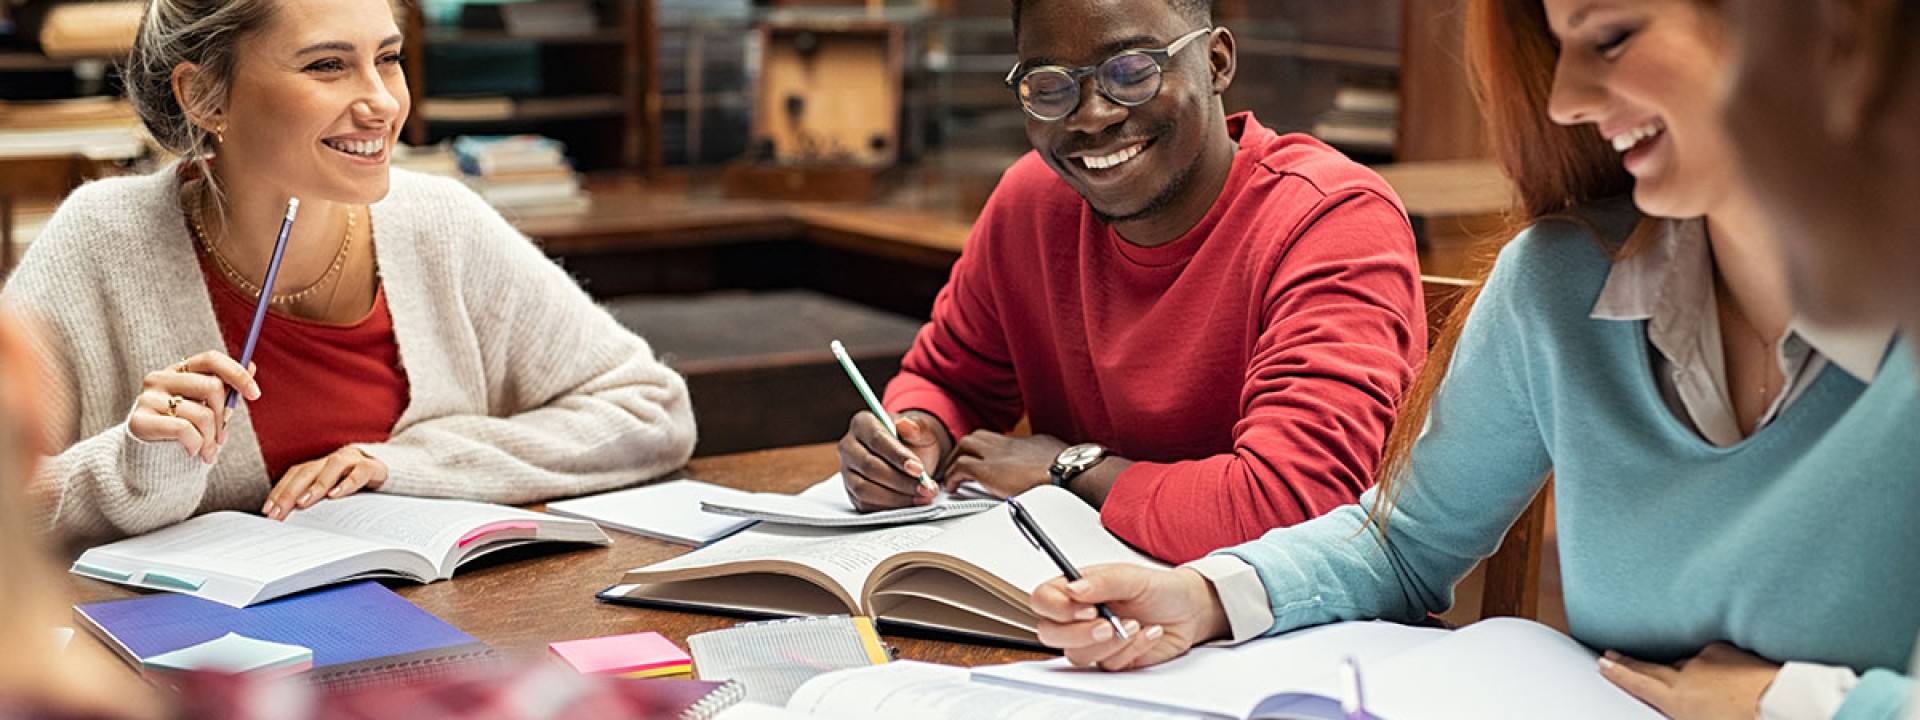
186	403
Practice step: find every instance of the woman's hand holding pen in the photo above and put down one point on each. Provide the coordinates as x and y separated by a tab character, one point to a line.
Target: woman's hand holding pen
343	472
185	403
1177	607
881	472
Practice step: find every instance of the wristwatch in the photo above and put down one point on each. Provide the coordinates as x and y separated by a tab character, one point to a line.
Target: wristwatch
1075	460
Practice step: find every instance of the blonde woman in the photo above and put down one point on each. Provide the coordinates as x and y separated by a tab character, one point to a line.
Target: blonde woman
416	343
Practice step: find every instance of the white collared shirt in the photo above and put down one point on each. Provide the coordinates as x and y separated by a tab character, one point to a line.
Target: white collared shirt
1669	284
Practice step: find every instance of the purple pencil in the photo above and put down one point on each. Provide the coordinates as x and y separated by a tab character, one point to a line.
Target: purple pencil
266	295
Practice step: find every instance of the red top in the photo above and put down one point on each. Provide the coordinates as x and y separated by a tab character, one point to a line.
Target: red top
1252	367
322	386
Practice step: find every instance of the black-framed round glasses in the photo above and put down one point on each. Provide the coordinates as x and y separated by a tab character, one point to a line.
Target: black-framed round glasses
1130	78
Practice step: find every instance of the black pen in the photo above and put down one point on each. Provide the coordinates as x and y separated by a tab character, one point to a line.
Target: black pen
1039	539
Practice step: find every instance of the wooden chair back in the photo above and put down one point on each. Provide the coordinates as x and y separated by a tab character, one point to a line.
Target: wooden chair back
1512	573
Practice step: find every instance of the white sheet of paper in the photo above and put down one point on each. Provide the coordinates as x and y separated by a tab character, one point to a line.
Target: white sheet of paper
669	511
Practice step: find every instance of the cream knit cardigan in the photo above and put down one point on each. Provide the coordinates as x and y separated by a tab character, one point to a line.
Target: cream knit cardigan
520	388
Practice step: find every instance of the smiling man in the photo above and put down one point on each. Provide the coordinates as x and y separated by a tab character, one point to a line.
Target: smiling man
1206	324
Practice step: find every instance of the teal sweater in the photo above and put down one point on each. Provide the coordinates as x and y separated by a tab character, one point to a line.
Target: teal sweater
1795	544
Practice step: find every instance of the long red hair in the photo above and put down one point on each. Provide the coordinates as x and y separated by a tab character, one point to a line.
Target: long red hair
1511	54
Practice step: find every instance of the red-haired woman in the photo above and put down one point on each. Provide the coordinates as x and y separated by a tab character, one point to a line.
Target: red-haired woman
1731	480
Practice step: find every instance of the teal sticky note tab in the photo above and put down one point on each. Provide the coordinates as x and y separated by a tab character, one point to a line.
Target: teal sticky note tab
188	583
102	573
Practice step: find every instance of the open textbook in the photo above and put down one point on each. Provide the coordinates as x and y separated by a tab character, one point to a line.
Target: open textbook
970	575
1501	669
239	559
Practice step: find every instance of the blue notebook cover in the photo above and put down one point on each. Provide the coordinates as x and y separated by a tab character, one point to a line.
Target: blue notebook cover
358	632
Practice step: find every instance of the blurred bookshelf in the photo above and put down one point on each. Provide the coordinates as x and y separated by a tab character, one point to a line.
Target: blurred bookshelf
571	70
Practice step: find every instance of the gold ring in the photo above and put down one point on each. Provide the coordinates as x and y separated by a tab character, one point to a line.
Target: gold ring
173	405
184	367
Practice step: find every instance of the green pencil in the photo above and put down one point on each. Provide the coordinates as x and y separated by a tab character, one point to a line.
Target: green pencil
873	402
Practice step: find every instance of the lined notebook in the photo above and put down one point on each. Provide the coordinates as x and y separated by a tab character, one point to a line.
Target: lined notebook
359	634
772	658
826	505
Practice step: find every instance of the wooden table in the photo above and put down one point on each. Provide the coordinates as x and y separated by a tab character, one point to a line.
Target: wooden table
519	606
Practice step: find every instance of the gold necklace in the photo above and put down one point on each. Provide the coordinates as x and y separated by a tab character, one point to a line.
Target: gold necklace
339	260
1769	352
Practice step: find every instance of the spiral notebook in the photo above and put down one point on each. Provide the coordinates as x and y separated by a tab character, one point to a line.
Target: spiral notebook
773	658
696	699
360	633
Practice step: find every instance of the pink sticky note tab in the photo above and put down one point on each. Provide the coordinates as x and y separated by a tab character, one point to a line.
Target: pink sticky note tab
494	527
616	654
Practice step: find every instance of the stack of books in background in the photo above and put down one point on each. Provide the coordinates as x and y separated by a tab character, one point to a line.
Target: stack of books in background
1363	122
520	175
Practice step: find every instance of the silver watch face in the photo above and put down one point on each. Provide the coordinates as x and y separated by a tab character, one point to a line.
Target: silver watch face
1080	456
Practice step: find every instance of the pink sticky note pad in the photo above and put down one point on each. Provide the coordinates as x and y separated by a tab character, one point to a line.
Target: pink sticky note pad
621	653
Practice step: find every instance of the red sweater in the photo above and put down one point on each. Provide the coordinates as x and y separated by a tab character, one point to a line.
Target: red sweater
322	386
1251	368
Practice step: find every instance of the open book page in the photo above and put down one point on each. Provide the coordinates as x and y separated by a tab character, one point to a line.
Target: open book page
837	561
751	710
939	692
1497	668
1228	681
238	559
984	567
826	505
436	528
1493	669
